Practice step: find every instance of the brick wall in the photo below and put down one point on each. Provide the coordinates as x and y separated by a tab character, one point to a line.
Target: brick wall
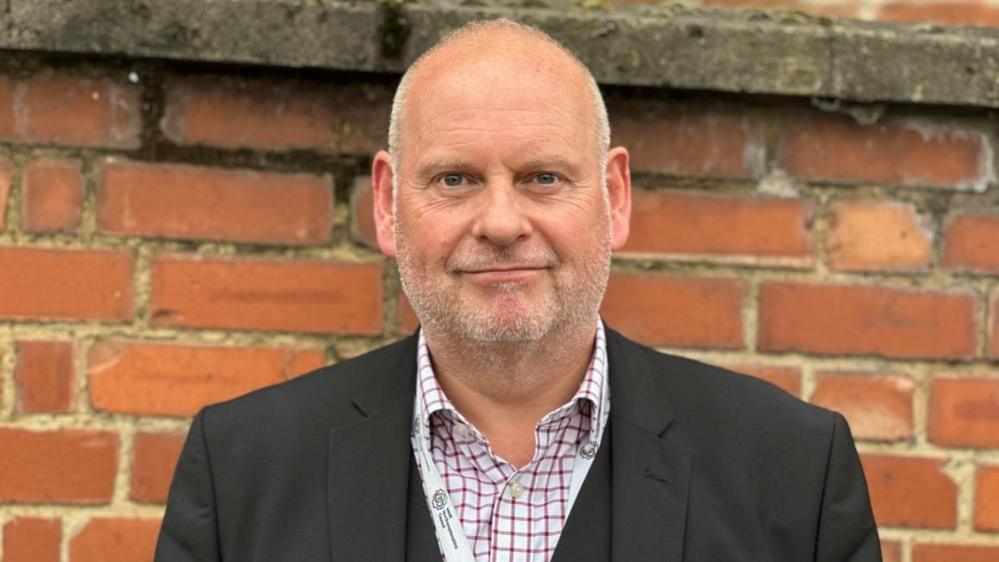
175	235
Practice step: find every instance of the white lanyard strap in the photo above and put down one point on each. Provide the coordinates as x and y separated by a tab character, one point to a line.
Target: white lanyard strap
450	534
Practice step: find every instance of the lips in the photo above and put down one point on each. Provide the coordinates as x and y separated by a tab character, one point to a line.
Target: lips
504	274
504	268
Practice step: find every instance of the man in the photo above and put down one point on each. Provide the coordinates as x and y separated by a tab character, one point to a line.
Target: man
513	425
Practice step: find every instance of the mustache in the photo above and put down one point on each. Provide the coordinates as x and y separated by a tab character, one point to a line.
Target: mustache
504	258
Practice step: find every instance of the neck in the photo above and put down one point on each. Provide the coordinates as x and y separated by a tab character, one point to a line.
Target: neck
505	388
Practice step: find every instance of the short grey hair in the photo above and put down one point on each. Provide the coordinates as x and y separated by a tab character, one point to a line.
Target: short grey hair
602	129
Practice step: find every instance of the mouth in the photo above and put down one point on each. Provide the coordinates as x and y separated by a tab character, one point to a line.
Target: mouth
504	273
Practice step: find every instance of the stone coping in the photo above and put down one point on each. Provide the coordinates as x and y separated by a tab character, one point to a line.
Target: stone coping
663	47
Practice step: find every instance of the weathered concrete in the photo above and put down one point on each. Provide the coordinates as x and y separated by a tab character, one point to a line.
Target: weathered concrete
787	54
282	32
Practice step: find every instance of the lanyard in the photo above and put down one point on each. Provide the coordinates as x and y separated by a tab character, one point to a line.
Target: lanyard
450	534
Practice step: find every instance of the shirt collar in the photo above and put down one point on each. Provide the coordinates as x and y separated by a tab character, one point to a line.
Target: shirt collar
594	389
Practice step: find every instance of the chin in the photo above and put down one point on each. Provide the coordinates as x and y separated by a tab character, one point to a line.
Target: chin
506	326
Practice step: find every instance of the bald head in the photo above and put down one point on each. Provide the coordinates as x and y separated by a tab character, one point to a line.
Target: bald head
486	55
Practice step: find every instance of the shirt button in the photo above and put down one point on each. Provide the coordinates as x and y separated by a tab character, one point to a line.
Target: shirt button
516	490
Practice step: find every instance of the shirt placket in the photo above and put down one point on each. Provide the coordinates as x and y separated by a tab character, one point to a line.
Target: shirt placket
484	487
471	447
511	516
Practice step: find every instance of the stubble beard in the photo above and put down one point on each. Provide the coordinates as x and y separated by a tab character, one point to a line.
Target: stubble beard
507	319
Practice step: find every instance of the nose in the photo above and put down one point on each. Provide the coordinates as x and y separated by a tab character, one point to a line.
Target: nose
501	219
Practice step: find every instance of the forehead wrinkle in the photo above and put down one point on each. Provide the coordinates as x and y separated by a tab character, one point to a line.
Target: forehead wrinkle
452	127
467	126
456	147
463	96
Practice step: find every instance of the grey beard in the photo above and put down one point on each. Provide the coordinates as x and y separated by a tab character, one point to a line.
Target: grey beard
572	306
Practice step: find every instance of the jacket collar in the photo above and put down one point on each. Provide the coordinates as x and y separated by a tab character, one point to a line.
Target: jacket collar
650	457
369	466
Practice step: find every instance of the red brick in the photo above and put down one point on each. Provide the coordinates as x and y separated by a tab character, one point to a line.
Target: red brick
970	243
44	376
177	380
115	540
910	492
788	378
700	224
688	141
66	109
255	294
948	13
891	551
6	106
987	498
362	220
964	411
901	152
405	315
954	553
866	320
32	539
52	192
665	310
197	203
260	115
877	235
66	284
878	406
154	457
62	466
267	115
994	327
6	175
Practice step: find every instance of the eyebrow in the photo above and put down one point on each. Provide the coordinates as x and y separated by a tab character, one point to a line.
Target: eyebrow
434	168
542	163
552	163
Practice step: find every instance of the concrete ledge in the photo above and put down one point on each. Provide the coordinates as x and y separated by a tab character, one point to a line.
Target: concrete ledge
784	54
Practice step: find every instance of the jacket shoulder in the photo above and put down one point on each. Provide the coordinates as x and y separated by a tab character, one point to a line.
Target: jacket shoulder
322	396
715	395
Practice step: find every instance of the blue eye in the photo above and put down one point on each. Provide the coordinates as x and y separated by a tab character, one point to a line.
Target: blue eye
453	180
546	179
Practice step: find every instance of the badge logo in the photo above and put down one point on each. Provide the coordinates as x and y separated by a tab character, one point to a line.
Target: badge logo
588	450
439	499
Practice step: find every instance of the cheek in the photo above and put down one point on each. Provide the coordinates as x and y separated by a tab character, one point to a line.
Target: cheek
437	234
431	238
579	231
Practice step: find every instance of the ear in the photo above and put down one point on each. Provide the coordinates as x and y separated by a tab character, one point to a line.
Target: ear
619	194
382	198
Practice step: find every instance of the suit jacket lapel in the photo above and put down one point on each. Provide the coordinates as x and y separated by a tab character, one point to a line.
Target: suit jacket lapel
586	535
650	460
369	468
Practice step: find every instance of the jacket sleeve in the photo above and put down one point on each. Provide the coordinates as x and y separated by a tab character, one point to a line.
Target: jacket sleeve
847	531
190	531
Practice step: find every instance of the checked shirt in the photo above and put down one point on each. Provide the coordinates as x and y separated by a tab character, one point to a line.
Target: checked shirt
512	515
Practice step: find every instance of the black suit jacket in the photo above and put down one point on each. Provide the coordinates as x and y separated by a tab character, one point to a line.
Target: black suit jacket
701	465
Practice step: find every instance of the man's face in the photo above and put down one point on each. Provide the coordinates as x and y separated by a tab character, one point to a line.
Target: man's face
502	228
